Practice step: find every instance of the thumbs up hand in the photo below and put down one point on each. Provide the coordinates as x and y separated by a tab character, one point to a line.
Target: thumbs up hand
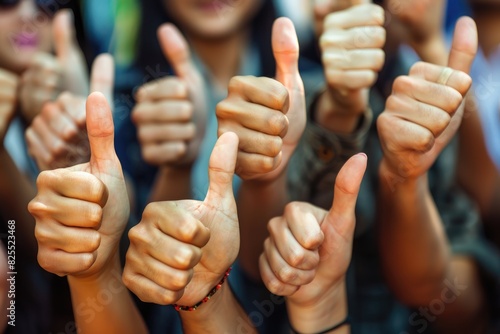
425	109
181	250
351	42
308	250
57	137
268	115
48	75
81	211
170	113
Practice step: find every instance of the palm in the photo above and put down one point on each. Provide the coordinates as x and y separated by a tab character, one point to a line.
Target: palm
219	253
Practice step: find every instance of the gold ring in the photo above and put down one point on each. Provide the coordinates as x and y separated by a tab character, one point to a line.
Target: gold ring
445	76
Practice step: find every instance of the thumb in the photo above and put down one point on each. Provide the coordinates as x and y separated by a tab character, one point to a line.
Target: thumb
221	170
464	46
286	52
176	50
345	195
100	129
102	76
63	30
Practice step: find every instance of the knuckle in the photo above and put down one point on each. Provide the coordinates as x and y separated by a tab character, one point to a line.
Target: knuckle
274	285
86	261
425	141
455	100
186	111
403	84
287	274
45	261
279	96
97	190
266	164
184	257
297	257
278	124
137	234
275	146
41	234
94	214
94	240
236	83
187	231
180	279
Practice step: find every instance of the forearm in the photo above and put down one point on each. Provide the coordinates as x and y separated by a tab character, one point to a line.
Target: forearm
104	305
473	156
414	249
258	202
432	50
330	311
16	192
172	184
221	314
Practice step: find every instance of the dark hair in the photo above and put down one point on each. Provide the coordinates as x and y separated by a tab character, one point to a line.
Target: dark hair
152	63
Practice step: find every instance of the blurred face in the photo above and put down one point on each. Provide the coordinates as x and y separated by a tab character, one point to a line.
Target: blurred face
24	30
213	19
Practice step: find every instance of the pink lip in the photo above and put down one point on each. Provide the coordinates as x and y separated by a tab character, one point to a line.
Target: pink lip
25	40
213	6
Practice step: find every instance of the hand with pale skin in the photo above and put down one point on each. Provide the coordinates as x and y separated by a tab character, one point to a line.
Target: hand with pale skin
81	211
351	41
268	115
181	250
308	251
57	137
170	112
8	100
49	74
422	115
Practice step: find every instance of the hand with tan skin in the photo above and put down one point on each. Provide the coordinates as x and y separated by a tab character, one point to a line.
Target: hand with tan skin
170	112
351	38
81	213
9	83
268	115
48	75
57	137
425	109
419	23
421	117
181	250
308	251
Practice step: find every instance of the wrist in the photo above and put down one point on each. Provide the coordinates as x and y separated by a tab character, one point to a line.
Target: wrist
336	115
331	309
213	302
396	180
111	270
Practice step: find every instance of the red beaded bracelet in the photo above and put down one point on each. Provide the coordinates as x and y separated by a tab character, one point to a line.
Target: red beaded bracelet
207	298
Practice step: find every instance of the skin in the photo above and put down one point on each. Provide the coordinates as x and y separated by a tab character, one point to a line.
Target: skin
81	213
351	39
15	21
429	121
209	34
308	251
269	117
181	250
57	137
